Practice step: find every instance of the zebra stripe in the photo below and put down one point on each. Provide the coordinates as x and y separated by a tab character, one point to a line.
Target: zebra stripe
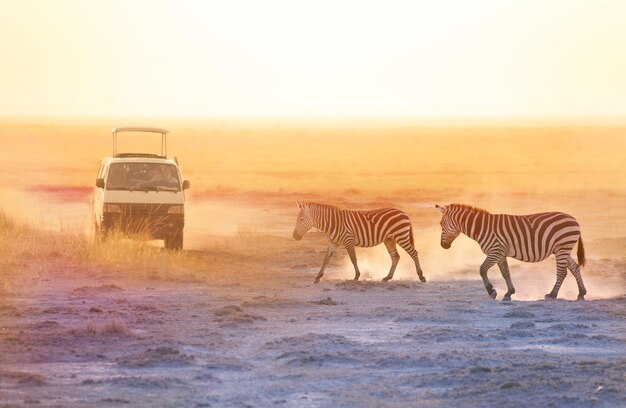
529	238
350	229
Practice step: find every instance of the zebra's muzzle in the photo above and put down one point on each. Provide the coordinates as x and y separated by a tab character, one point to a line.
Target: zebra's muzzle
297	236
445	245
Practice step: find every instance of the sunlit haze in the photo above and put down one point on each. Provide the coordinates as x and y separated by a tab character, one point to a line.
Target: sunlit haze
313	59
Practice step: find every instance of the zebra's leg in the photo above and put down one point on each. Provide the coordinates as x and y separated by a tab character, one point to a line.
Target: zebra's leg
329	252
408	247
575	270
395	257
504	269
561	273
491	260
352	253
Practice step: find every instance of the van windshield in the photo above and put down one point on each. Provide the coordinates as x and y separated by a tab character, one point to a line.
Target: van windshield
143	176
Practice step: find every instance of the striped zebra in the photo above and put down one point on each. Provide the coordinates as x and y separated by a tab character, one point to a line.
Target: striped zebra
352	229
529	238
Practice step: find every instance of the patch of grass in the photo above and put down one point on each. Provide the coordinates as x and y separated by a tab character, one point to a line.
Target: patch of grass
30	252
113	327
27	250
13	248
6	224
137	257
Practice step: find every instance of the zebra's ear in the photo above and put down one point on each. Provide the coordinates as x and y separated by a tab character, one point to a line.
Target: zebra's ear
299	204
440	208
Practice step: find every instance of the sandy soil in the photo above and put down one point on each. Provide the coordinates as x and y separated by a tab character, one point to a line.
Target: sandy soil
235	320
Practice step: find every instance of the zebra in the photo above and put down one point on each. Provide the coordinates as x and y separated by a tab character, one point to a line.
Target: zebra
352	229
529	238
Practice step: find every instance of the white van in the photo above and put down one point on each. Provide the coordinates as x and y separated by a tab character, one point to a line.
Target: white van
141	193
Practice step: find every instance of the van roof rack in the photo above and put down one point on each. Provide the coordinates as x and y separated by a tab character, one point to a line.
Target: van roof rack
163	133
153	155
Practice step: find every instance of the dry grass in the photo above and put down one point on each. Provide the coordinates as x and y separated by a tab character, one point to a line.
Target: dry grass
28	251
15	246
33	252
6	224
138	258
113	327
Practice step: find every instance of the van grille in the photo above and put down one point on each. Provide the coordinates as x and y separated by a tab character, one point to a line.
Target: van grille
144	218
139	209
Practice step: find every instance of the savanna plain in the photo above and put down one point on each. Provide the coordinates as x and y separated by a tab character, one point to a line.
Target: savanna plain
235	318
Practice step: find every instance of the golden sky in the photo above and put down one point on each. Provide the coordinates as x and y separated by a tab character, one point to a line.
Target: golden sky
323	58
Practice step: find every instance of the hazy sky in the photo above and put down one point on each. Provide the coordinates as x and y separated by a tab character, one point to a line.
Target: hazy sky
353	58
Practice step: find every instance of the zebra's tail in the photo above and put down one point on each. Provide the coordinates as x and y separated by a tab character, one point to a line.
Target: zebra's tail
411	235
581	252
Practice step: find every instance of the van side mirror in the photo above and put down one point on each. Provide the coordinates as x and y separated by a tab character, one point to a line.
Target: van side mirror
186	184
100	183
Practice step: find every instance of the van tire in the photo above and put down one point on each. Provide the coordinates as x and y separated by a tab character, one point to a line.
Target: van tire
174	241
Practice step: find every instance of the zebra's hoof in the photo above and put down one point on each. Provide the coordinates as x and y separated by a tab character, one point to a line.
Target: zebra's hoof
493	294
386	278
317	280
549	297
423	279
506	298
580	297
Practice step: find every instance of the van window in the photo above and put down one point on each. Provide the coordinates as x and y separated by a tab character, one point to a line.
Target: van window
143	176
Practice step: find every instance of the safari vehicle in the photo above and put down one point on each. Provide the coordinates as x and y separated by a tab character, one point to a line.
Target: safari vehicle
140	194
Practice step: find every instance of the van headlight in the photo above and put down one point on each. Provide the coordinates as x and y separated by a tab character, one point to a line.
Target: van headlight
176	209
112	208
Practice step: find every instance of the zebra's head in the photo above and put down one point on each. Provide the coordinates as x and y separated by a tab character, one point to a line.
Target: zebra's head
304	222
449	227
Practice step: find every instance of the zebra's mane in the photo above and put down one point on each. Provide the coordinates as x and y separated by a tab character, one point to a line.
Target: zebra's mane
468	208
312	204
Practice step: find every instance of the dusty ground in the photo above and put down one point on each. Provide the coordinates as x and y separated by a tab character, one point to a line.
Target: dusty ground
232	330
235	319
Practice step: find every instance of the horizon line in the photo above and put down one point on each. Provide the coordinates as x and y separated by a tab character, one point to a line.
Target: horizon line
417	120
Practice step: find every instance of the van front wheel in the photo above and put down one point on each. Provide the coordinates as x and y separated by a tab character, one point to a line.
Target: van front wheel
174	241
